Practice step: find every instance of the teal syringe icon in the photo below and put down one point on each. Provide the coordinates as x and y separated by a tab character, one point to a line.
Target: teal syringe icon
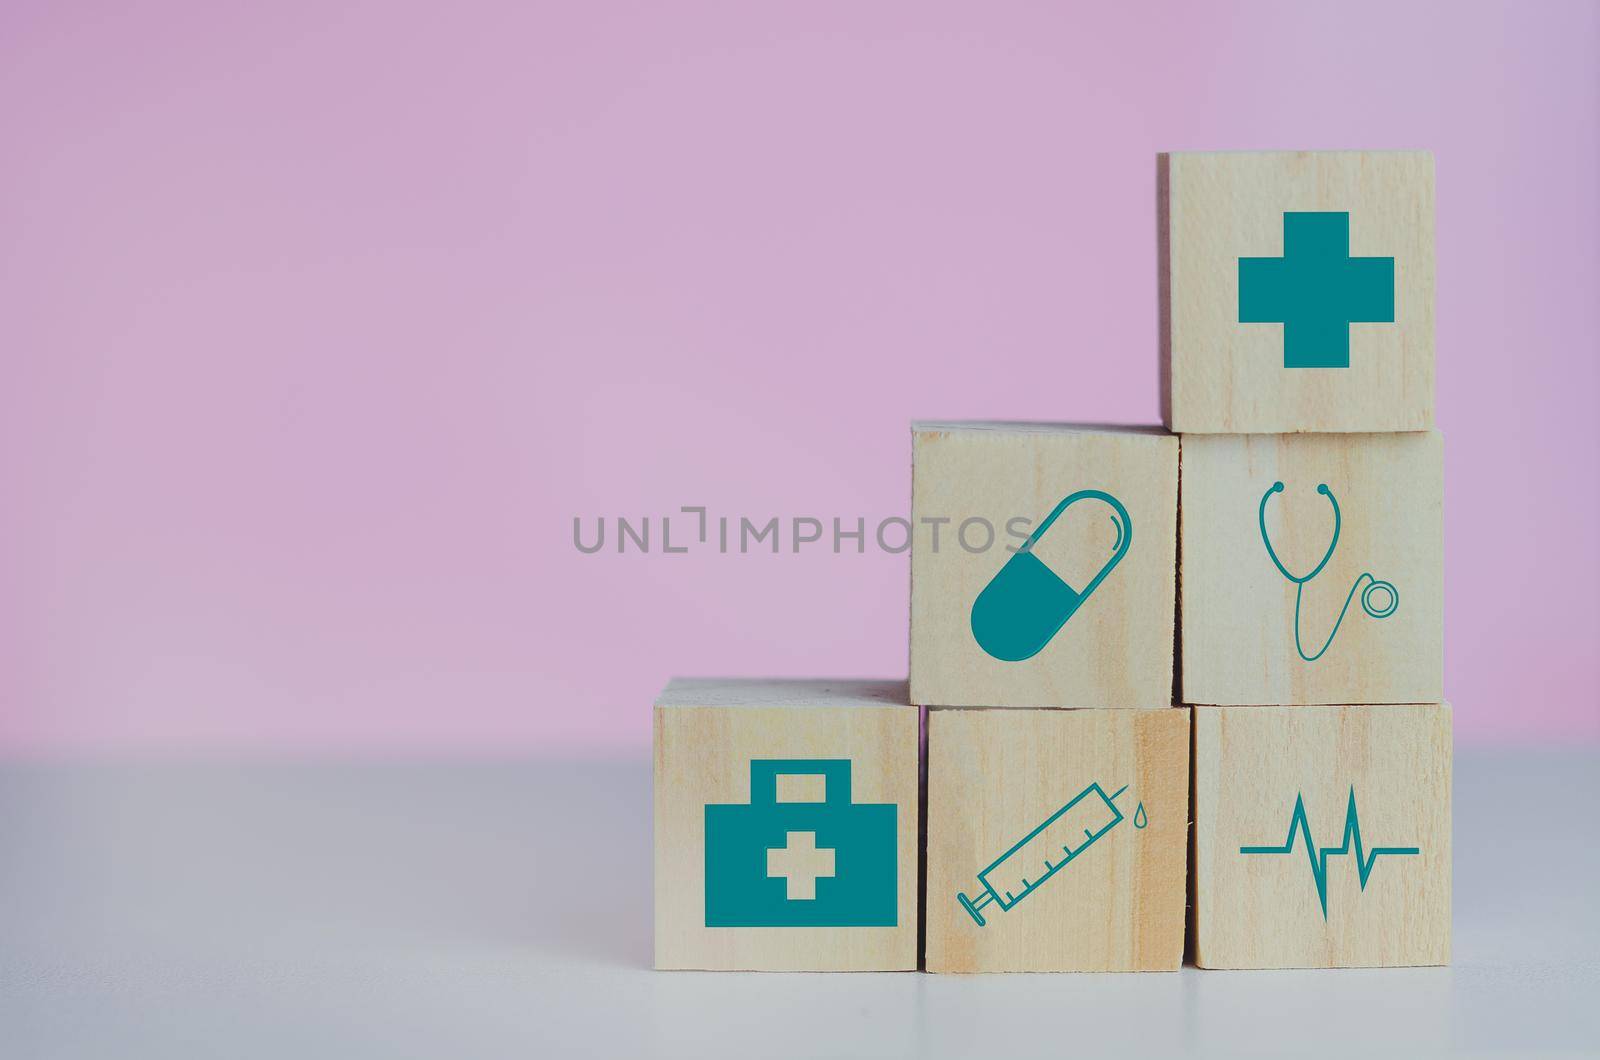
1046	850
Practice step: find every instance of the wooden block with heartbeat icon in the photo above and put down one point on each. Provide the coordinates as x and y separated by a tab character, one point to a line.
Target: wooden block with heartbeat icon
1322	836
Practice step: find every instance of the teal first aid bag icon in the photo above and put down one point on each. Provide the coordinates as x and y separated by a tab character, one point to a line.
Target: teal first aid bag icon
831	863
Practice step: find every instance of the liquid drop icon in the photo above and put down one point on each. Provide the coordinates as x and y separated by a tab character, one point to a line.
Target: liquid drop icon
1139	817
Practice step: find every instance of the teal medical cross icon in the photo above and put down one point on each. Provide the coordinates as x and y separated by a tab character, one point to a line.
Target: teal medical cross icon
1316	290
801	863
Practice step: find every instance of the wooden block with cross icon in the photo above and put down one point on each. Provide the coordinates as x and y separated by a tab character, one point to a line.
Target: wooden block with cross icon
1312	568
1296	291
1056	839
1322	836
786	825
1042	565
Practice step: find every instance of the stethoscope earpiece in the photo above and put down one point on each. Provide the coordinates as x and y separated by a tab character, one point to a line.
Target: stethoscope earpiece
1266	539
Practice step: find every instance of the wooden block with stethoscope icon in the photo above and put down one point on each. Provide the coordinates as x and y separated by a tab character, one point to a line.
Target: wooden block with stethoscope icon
1042	565
1312	568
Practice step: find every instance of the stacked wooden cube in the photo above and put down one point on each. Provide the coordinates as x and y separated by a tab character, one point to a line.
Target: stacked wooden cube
1155	670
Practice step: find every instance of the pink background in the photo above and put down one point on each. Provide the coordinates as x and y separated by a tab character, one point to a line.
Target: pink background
321	321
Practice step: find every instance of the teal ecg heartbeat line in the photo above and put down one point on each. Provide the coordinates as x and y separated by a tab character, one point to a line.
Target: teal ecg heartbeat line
1365	859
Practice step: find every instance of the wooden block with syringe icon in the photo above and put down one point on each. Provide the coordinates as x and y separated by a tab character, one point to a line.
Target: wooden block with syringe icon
1042	565
1056	839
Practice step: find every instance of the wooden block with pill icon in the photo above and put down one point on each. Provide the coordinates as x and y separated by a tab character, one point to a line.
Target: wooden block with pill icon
1312	569
1322	836
1042	565
1056	839
1296	291
786	825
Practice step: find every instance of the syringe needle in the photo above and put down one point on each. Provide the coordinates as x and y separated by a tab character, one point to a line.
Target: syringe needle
1113	797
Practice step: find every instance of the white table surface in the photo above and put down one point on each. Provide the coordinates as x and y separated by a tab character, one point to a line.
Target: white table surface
503	908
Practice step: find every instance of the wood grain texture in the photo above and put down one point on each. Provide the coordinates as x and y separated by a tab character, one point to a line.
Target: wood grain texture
1116	651
1263	910
1228	377
1238	610
706	734
995	775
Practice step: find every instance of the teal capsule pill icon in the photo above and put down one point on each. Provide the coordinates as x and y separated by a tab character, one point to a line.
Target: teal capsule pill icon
1025	605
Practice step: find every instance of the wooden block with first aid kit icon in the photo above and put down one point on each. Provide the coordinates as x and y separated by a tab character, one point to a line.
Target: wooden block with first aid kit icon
1322	836
1056	839
1312	568
1042	565
786	825
1296	291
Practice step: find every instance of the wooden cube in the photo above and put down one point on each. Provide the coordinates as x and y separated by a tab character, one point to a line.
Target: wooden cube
1322	836
786	825
1056	840
1296	291
1042	565
1363	513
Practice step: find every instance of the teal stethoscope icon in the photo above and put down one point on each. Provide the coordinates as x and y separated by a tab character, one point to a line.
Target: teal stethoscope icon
1372	584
